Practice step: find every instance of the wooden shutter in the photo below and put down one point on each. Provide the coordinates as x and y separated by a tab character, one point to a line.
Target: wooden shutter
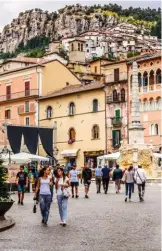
27	88
116	74
7	114
72	134
117	113
113	138
8	92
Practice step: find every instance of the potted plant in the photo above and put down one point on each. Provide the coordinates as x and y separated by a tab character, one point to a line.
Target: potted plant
5	200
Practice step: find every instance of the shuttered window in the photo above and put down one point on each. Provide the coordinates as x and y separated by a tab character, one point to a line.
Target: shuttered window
27	106
7	114
116	138
116	74
8	92
27	88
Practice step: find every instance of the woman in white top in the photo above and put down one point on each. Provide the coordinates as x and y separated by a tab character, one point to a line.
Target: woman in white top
44	183
62	184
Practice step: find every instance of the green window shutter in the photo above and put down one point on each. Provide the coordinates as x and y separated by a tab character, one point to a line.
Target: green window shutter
117	113
113	138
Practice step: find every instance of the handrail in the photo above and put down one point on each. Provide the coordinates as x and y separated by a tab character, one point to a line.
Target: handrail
17	95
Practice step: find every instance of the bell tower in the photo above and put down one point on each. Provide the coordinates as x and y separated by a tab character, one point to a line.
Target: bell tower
77	50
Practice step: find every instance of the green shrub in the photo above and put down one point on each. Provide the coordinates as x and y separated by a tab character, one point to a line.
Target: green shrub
4	194
132	54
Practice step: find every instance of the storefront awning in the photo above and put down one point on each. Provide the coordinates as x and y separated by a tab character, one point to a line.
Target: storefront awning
112	156
69	153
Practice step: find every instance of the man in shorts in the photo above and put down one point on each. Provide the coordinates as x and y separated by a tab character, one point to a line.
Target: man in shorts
74	181
21	181
87	176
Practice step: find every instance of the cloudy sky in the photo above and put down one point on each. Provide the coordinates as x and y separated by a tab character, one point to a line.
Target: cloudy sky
10	9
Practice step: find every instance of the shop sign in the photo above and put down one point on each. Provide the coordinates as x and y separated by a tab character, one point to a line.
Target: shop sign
94	153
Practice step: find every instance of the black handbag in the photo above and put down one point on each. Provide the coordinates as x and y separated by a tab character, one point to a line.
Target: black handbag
35	207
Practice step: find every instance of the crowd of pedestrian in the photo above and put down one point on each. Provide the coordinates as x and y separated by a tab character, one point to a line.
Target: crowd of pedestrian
49	179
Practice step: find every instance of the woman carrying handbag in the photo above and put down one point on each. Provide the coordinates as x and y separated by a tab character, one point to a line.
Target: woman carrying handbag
43	186
62	185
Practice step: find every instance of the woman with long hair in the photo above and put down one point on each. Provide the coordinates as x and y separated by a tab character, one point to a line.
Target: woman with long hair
62	185
43	186
129	180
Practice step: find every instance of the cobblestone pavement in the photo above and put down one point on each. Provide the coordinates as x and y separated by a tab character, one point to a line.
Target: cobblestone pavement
102	223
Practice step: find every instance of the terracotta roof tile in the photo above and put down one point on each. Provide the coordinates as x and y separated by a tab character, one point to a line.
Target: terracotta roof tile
73	89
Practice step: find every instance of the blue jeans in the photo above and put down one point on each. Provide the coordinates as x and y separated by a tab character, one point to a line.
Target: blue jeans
62	205
128	189
45	203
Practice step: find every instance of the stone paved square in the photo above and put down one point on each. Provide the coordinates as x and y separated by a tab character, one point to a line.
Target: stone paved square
102	223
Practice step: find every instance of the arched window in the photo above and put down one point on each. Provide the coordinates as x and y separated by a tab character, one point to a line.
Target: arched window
71	108
151	80
130	107
95	132
145	105
156	129
78	46
49	112
95	105
152	129
115	95
131	83
81	47
151	104
145	81
72	134
139	80
72	47
123	94
158	104
158	76
140	106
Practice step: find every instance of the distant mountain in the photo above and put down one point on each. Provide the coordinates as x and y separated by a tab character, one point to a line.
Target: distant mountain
71	21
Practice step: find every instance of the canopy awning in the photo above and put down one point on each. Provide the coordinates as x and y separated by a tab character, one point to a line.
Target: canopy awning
112	156
69	153
22	158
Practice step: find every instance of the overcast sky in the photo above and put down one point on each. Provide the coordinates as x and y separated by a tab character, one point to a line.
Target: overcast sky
11	9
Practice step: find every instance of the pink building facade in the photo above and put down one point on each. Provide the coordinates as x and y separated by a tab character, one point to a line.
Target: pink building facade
116	105
150	89
19	91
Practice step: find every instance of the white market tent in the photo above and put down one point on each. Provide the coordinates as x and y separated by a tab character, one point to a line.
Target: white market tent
158	155
23	158
102	160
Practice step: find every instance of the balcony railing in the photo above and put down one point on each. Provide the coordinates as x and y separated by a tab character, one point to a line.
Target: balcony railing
119	99
24	110
18	95
116	121
110	78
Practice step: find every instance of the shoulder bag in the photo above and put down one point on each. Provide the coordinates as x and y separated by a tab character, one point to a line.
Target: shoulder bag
140	178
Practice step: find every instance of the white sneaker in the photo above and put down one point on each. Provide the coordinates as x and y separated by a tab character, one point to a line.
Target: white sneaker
64	223
130	200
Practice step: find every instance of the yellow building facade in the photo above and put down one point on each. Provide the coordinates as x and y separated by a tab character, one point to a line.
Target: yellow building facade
78	114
